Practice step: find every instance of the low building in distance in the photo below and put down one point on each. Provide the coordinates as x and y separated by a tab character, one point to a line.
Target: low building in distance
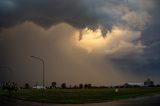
39	87
148	83
133	85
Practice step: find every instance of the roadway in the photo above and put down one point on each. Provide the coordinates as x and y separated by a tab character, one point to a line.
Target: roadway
141	101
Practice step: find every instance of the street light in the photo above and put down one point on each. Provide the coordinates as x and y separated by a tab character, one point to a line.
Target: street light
40	59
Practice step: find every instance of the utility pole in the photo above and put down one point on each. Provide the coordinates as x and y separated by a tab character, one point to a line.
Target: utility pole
40	59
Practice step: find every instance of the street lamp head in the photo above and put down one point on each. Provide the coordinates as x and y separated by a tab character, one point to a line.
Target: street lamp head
37	58
34	57
43	68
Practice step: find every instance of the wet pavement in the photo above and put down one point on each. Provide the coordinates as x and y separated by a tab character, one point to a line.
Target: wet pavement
142	101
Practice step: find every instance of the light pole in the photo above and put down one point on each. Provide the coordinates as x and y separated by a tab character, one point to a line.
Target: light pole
40	59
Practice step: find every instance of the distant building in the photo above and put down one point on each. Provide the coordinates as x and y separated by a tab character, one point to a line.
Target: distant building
148	83
133	85
39	87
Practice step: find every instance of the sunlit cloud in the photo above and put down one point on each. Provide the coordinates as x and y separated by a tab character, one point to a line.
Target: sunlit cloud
91	40
119	41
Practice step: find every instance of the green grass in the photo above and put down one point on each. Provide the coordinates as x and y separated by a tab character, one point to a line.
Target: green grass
74	96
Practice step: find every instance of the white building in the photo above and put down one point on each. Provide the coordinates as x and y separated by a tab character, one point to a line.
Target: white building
138	84
39	87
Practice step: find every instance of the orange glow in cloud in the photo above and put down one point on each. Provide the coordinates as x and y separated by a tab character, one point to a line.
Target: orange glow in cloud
91	40
117	41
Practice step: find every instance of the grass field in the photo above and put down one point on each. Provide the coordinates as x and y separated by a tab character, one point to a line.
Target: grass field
74	96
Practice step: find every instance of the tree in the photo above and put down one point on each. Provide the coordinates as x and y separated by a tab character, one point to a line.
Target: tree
87	85
75	86
53	85
80	85
63	85
26	86
10	87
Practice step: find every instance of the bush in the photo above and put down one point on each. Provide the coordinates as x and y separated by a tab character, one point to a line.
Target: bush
63	85
10	87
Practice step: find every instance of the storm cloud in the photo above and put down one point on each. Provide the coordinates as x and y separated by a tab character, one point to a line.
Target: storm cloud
64	62
103	41
79	13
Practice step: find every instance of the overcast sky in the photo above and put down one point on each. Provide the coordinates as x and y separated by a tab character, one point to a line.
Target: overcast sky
102	42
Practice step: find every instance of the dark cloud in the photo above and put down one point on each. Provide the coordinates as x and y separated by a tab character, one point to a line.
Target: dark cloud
48	12
79	13
148	63
21	42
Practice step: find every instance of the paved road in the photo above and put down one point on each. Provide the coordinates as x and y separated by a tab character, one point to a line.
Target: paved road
143	101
